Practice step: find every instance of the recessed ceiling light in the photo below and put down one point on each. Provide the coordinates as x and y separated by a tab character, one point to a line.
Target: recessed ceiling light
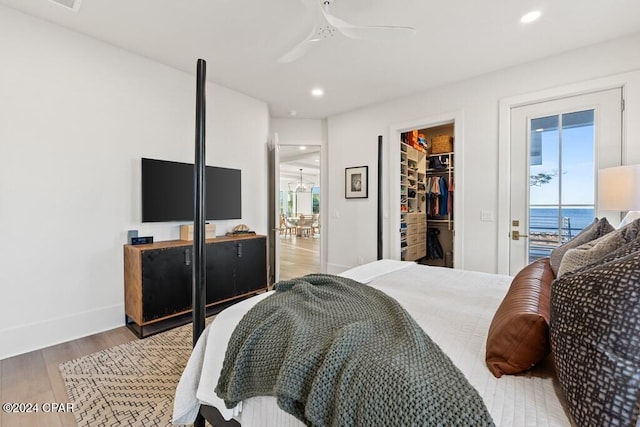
530	17
317	92
74	5
293	113
302	148
540	130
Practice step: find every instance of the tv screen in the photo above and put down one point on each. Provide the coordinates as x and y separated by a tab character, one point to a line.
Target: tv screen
167	192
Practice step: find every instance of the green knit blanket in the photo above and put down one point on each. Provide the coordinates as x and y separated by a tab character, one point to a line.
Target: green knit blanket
335	352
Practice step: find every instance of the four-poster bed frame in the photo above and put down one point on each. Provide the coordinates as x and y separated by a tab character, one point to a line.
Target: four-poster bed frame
199	279
444	300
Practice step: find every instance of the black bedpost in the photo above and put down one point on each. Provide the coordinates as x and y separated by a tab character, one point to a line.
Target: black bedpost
199	275
379	196
199	268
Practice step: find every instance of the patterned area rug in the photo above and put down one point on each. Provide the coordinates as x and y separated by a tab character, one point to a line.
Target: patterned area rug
132	384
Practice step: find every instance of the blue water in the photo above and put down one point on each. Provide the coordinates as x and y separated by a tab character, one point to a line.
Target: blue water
546	219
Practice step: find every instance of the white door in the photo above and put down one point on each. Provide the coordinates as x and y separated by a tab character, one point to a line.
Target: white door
274	207
557	148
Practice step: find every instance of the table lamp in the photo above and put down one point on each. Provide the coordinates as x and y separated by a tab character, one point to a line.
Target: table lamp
619	190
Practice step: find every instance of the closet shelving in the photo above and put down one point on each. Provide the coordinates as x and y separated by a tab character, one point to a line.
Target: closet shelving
422	229
404	183
413	161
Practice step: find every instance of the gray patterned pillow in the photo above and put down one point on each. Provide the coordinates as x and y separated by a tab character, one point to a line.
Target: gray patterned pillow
623	251
595	342
598	228
589	252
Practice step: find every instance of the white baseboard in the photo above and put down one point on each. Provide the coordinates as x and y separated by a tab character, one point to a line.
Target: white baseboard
38	335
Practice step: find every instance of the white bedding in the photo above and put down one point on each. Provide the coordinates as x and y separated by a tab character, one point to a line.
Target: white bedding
454	307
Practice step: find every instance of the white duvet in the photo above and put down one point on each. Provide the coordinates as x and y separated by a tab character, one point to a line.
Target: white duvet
454	307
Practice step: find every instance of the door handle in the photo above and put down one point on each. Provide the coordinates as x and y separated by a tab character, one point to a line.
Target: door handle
515	235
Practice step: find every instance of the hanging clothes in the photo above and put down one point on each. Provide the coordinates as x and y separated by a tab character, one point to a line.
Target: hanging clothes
444	196
435	191
434	249
452	188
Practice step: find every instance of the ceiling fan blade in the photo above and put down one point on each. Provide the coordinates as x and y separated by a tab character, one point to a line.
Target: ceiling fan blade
378	32
301	48
368	32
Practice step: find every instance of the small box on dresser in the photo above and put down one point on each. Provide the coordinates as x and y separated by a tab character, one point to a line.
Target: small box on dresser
186	231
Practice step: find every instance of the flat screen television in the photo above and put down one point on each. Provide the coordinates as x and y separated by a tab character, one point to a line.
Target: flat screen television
167	192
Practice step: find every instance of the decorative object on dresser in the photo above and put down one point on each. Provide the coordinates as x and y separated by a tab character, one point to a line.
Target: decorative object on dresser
145	240
130	235
186	231
240	230
158	291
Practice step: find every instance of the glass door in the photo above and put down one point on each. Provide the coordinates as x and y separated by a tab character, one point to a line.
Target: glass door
559	145
561	179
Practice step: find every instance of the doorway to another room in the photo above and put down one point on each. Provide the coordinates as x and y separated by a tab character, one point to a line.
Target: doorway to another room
299	205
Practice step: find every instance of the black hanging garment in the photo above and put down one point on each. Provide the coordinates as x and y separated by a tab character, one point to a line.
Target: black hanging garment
434	249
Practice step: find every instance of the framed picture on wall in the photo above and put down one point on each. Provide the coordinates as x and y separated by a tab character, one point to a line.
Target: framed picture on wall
356	182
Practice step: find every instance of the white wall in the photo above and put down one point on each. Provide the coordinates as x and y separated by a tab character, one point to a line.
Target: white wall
308	132
76	116
299	131
352	142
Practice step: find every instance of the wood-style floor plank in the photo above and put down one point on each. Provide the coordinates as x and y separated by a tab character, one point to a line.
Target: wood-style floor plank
53	357
35	377
26	381
298	256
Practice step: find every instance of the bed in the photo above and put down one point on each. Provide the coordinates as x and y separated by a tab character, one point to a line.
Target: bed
556	345
454	307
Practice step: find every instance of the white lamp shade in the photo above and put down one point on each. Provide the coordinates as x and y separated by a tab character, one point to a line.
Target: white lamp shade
619	188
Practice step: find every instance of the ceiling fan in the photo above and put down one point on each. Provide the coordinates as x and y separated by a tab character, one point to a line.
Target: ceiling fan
327	26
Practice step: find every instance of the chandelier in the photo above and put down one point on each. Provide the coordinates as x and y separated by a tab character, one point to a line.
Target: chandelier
301	185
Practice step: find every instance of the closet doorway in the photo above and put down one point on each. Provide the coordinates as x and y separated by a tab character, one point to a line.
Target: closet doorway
299	207
412	214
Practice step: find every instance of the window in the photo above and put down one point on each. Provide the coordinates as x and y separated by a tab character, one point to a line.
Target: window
561	179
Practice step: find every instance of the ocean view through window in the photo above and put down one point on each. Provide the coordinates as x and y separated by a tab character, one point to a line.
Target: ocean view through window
562	179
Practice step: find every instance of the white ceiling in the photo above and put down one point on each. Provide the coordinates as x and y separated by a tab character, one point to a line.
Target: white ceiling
242	39
293	159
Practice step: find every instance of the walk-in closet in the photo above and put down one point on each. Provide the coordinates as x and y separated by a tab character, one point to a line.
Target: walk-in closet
427	190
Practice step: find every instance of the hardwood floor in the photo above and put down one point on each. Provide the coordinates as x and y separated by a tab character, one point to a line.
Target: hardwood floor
299	256
35	378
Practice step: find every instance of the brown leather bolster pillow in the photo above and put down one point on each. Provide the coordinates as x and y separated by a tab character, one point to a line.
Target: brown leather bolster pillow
519	333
